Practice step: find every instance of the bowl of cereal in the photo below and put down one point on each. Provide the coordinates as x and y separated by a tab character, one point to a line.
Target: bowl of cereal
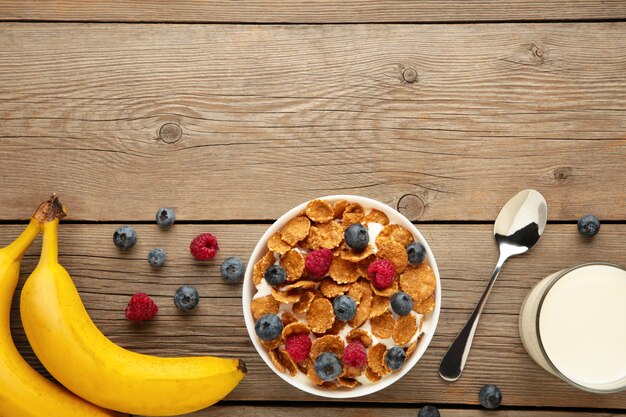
341	296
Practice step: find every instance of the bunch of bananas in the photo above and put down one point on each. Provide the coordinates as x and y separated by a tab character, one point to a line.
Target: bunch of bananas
98	375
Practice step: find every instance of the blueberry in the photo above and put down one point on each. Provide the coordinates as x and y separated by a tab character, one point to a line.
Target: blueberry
165	217
275	275
125	237
232	270
268	327
186	297
357	237
416	252
394	358
327	366
401	303
588	225
429	411
490	396
156	257
344	307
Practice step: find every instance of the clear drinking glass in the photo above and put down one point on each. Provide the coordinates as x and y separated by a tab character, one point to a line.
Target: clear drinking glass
573	324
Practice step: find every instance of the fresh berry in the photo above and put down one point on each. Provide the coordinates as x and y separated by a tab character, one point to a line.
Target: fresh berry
429	411
588	225
298	346
275	275
318	262
416	252
356	237
327	366
204	247
380	273
394	358
156	257
165	217
232	270
354	354
268	327
141	307
124	237
401	303
186	297
344	307
490	396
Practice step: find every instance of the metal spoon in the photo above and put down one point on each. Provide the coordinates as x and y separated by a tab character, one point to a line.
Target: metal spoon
518	227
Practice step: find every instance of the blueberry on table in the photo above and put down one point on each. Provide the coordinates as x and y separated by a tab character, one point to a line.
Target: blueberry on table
416	253
356	237
429	411
588	225
186	298
124	237
165	217
268	327
327	366
490	396
232	270
156	257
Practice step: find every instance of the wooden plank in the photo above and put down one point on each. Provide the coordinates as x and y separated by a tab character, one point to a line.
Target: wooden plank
271	116
318	11
466	255
245	411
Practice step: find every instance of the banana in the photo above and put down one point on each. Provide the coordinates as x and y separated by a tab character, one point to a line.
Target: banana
85	361
23	391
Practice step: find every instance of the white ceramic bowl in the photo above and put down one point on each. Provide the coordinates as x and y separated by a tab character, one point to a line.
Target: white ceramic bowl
429	323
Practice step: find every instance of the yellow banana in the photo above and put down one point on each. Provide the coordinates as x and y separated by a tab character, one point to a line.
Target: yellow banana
78	355
23	391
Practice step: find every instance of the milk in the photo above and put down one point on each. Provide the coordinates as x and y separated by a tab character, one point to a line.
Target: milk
573	324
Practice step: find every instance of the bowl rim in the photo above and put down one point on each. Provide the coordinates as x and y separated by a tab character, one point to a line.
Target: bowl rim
248	289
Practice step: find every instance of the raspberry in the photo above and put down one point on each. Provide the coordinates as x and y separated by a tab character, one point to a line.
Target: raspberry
141	307
298	347
204	247
381	273
354	354
318	262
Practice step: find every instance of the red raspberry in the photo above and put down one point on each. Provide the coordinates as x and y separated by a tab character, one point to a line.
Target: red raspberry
298	346
318	262
204	247
141	307
381	273
354	354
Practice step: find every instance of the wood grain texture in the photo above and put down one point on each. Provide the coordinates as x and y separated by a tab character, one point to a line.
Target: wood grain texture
271	116
317	11
466	254
246	411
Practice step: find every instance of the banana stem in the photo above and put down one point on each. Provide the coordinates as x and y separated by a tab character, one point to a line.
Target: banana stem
17	248
50	246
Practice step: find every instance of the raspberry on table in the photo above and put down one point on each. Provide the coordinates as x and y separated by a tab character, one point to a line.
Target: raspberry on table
204	247
354	354
380	273
141	307
318	262
298	346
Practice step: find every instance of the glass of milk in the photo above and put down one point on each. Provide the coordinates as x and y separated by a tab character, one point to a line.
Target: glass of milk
573	324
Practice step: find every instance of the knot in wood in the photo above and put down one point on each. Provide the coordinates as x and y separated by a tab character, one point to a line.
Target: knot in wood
409	75
562	174
411	206
170	133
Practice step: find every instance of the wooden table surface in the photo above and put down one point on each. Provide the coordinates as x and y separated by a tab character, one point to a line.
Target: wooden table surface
232	112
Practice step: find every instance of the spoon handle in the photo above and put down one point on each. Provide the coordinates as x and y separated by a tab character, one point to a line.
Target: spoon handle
454	360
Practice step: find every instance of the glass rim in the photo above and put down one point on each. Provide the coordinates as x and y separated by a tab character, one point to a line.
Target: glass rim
557	277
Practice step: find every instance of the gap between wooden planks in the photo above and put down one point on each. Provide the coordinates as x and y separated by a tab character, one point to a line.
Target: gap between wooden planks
319	11
242	122
466	254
